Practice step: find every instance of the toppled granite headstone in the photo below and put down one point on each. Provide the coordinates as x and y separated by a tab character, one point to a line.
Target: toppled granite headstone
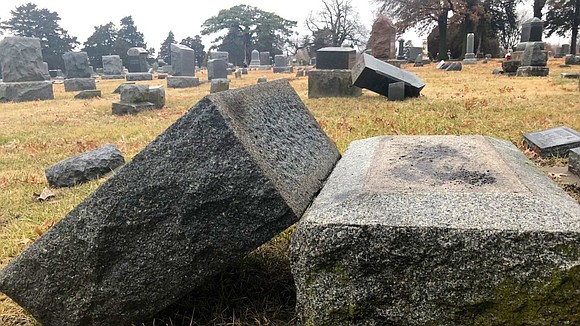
331	83
335	58
437	230
137	98
118	89
376	75
454	66
157	96
552	142
233	172
83	95
85	167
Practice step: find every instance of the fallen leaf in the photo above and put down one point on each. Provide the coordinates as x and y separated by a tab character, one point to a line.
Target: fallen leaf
46	194
557	175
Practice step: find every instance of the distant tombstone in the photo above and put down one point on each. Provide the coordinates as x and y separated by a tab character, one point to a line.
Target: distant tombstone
536	29
302	56
552	142
282	64
112	67
382	40
136	76
76	65
533	61
182	81
255	59
262	79
425	51
396	91
571	59
221	55
401	50
182	60
137	60
413	52
565	49
574	161
265	59
244	71
454	66
440	64
312	61
238	74
219	85
335	58
88	94
376	76
79	84
419	60
216	68
469	54
136	98
24	75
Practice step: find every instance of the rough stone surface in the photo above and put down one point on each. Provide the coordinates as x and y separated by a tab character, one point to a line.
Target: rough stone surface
137	60
532	71
182	82
437	230
335	58
136	76
83	95
574	161
382	40
510	66
134	93
121	108
219	85
332	83
157	96
552	142
221	55
261	79
182	60
85	167
113	77
534	56
21	60
112	65
79	84
217	68
118	89
76	65
375	75
571	59
26	91
265	59
236	170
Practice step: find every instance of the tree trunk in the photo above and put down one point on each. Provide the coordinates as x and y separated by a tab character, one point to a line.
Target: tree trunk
442	24
538	6
575	24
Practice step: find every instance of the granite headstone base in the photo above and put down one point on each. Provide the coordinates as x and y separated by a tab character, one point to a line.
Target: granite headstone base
84	167
112	77
120	108
182	82
574	161
79	84
87	94
232	173
286	69
552	142
572	59
26	91
136	76
219	85
157	96
331	83
532	71
437	230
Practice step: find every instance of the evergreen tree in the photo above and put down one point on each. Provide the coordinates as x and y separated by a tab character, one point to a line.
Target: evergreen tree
30	21
100	43
165	50
128	37
563	17
197	46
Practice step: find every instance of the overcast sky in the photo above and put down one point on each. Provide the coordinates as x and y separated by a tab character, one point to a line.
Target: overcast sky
156	18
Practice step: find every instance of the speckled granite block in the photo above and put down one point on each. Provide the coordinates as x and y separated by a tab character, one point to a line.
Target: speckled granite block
438	230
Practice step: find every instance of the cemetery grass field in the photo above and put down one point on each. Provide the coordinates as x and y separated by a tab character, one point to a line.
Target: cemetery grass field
259	290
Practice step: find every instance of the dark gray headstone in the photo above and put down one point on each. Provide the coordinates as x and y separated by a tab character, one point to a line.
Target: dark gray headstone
574	161
84	167
157	96
182	60
565	49
335	58
265	59
396	91
217	68
376	75
83	95
261	80
79	84
21	59
536	29
182	82
401	50
533	55
419	60
137	60
553	142
222	55
454	66
232	173
413	52
76	65
112	65
219	85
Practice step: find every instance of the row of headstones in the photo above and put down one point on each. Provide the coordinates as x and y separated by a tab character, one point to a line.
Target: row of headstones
340	74
470	214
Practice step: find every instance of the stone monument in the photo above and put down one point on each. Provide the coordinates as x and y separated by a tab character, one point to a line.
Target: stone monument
137	65
333	74
255	60
136	98
469	54
401	50
78	72
282	64
223	55
23	71
530	56
382	40
112	67
217	68
183	66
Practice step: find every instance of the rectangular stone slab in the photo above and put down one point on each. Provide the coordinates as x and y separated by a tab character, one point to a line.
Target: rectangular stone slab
376	75
232	173
335	58
437	230
552	142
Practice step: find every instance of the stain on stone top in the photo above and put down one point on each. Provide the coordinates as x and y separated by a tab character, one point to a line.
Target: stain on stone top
411	164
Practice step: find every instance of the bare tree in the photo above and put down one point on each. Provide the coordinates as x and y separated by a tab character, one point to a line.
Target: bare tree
336	24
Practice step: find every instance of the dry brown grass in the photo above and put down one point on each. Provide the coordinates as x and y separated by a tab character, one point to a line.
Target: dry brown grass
258	290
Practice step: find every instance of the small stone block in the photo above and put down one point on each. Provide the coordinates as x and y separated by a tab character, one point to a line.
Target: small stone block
134	93
219	85
331	83
26	91
182	82
335	58
87	94
120	108
532	71
118	89
112	77
553	142
396	91
79	84
437	230
574	161
157	96
136	76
